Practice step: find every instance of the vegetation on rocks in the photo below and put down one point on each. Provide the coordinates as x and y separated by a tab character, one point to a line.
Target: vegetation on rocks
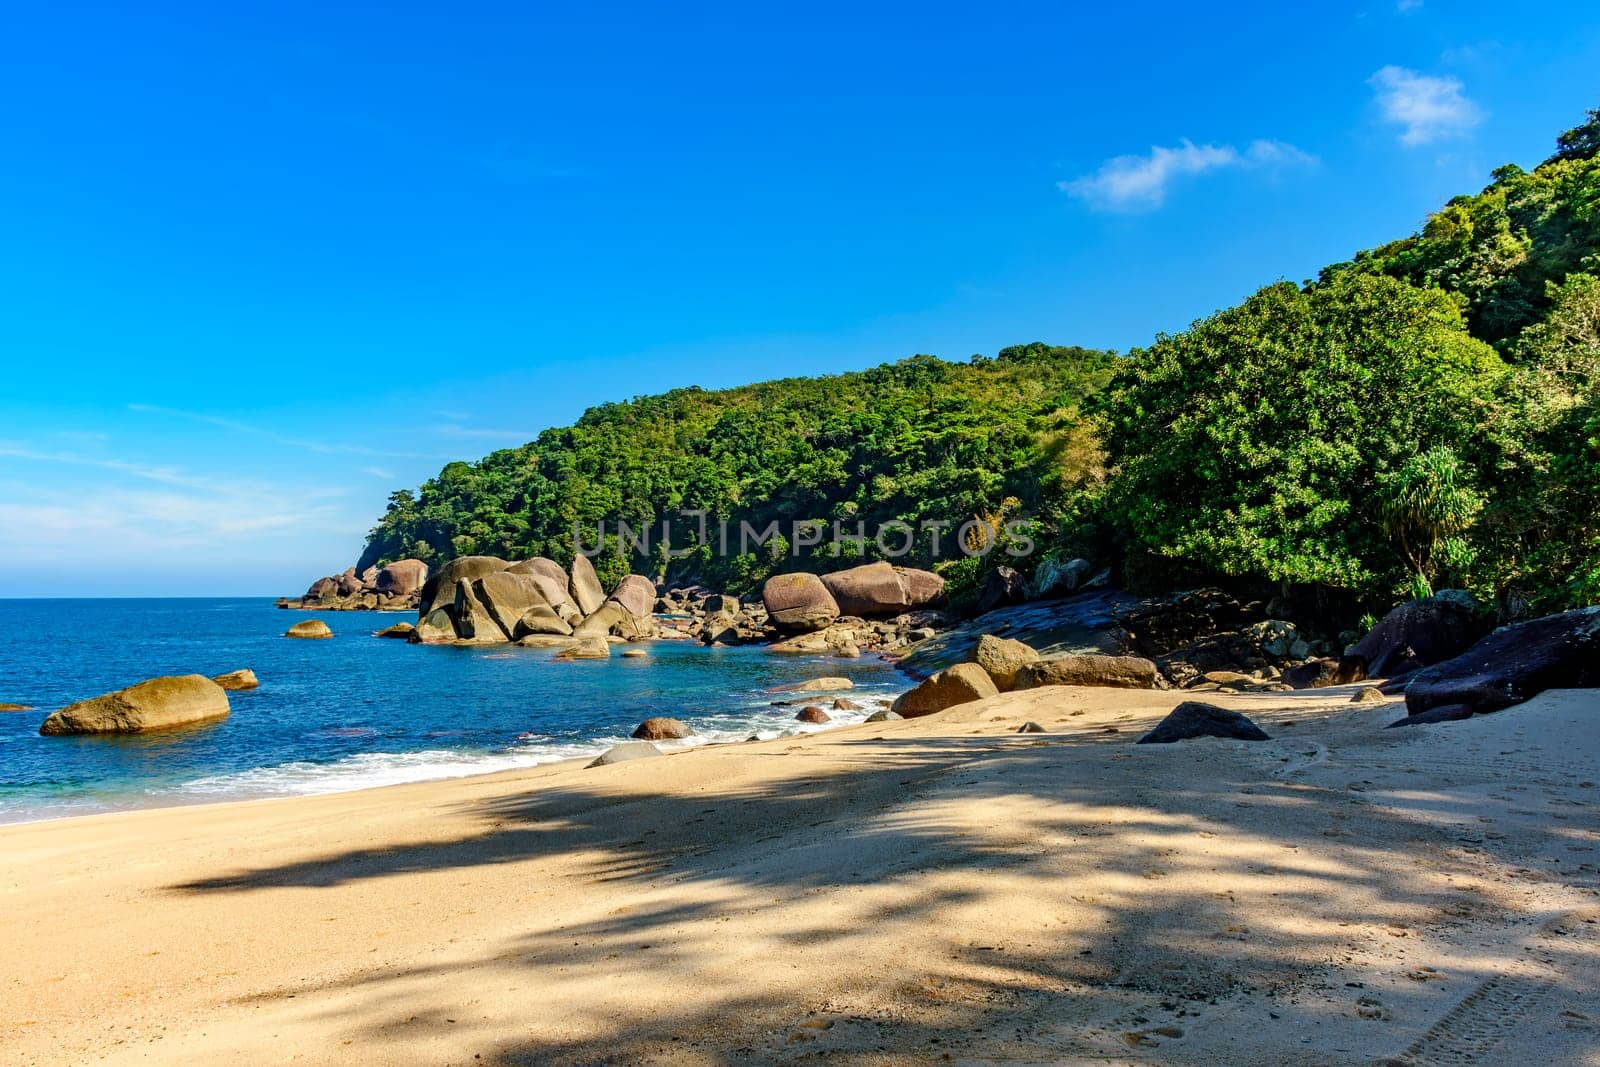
1423	415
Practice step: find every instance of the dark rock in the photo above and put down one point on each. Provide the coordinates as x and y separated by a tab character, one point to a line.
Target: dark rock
1368	695
400	631
1513	664
813	714
1030	728
1193	719
845	704
1001	586
885	715
1420	634
1442	713
1057	579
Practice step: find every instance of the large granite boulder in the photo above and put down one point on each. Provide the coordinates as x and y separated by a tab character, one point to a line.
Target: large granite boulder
440	588
1002	657
311	628
586	648
540	619
159	704
541	565
587	592
1514	664
961	684
1110	672
606	620
403	577
628	750
238	681
637	594
322	588
436	627
923	588
553	583
662	728
506	598
798	602
1420	634
872	589
1193	719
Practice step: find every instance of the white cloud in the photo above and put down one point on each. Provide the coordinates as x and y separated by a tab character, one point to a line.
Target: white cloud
1141	183
1426	108
235	426
379	472
1407	5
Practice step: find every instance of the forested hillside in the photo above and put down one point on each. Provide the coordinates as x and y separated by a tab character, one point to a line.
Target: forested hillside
1424	414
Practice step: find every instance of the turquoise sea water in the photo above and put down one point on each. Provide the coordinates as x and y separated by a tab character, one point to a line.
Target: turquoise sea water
349	712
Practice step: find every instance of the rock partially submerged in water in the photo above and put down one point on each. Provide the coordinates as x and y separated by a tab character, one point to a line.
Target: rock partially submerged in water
158	704
587	648
400	631
662	728
238	681
628	750
1193	719
16	707
820	685
310	629
814	715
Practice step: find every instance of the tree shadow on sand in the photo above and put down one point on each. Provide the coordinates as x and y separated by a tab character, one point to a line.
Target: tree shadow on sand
989	897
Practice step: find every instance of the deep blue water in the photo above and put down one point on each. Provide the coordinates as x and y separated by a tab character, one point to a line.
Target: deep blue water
348	712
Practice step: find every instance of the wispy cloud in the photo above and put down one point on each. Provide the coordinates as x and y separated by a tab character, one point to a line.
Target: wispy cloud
1426	108
320	447
1141	183
379	472
520	436
1407	5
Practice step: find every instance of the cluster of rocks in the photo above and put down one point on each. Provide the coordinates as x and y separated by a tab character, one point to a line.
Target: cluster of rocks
999	664
477	600
395	587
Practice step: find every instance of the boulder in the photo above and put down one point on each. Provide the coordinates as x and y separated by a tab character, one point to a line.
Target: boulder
1193	719
440	588
637	594
238	681
720	627
540	565
349	585
721	603
587	592
885	715
628	750
799	602
845	704
400	630
661	728
961	684
540	619
1002	657
609	618
872	589
1420	634
1513	664
1111	672
159	704
311	628
813	714
1030	728
1368	695
1057	578
1001	586
323	587
923	588
818	685
586	648
1321	673
635	653
435	627
508	598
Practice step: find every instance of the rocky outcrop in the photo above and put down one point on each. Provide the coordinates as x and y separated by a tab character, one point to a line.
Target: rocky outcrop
504	599
661	728
403	577
1002	657
587	592
637	594
238	681
392	588
1193	719
1420	634
311	628
441	589
961	684
924	589
799	602
1513	664
159	704
1109	672
1057	578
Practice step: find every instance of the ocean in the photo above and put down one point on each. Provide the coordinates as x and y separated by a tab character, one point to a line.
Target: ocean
353	711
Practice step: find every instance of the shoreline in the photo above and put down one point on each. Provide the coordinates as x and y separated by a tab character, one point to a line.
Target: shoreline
867	892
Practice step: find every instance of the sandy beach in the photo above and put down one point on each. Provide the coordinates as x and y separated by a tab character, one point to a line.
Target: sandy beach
939	888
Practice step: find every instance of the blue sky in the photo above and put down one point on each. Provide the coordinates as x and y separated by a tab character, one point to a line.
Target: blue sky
260	268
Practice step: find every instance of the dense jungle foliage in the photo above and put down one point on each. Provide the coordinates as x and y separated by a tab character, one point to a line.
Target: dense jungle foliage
1425	414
